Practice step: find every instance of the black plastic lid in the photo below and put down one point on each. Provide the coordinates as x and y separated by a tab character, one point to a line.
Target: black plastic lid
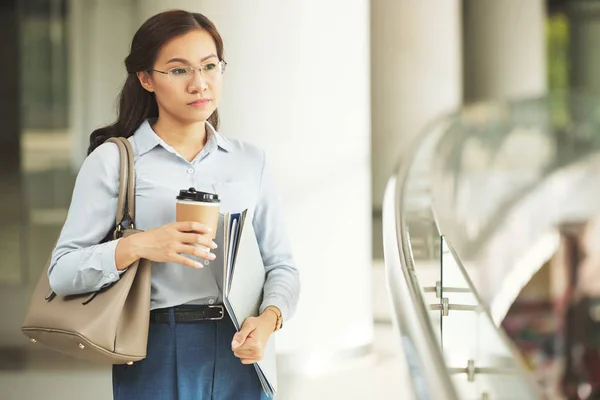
193	195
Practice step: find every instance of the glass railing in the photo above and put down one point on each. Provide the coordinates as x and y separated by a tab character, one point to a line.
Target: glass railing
473	213
480	358
453	348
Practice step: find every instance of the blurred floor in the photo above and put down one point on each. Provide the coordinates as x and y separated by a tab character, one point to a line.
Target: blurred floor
380	376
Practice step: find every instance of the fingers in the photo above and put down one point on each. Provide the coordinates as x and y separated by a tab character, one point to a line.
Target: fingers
250	352
247	328
245	353
187	261
195	251
252	357
191	226
193	238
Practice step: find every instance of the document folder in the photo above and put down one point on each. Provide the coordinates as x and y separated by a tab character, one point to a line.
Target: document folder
241	280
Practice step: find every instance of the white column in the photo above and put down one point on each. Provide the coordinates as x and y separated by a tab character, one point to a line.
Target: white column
100	35
416	75
297	84
505	49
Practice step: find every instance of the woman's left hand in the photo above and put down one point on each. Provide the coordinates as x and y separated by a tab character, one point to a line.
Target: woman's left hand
250	342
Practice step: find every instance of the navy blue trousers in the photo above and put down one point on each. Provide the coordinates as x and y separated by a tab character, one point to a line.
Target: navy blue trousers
188	361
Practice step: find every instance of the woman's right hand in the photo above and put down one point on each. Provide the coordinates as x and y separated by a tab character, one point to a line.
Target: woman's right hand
166	244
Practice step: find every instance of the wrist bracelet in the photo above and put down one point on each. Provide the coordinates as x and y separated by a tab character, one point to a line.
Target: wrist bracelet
278	321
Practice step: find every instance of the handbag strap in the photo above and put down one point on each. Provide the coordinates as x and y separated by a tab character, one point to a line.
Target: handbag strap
125	216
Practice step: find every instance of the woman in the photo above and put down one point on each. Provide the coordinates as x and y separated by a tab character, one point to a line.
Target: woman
168	111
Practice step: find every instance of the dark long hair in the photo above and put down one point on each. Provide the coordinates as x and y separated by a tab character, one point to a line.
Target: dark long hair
135	103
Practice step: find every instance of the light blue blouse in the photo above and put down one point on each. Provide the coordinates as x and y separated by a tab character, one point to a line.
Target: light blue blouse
235	170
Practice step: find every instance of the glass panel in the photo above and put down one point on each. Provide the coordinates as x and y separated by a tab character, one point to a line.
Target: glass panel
481	358
421	227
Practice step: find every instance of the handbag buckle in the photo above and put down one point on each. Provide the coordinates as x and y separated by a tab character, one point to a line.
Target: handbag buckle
120	229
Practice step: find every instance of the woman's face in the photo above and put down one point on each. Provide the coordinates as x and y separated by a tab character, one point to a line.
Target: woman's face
186	94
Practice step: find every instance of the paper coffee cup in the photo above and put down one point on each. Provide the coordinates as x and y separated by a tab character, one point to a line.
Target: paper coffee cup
203	207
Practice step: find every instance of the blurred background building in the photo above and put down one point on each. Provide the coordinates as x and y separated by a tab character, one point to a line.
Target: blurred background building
339	93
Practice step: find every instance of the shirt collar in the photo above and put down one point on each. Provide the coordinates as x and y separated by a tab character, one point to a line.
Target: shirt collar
146	139
222	142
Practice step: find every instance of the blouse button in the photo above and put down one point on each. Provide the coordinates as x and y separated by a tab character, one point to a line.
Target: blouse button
190	170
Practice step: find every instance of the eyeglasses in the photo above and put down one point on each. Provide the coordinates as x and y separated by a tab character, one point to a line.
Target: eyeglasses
210	71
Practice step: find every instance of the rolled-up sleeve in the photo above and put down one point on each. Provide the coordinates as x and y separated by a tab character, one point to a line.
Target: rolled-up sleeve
282	285
80	263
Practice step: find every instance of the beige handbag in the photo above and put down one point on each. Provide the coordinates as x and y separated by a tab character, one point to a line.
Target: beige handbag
109	326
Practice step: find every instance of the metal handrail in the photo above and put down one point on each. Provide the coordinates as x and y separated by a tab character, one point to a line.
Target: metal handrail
426	363
430	378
